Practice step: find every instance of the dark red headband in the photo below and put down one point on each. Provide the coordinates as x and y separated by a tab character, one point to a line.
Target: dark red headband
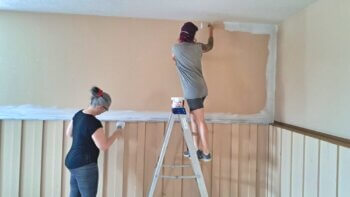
100	93
188	31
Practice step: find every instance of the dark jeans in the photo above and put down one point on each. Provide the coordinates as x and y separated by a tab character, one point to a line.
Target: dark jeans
84	181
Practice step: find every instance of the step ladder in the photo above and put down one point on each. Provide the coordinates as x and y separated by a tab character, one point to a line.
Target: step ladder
178	111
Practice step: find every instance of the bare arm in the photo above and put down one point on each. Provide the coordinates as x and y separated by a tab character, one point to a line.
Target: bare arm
207	47
69	129
102	142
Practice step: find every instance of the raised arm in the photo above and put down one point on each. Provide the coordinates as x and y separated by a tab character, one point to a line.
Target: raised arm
102	142
207	47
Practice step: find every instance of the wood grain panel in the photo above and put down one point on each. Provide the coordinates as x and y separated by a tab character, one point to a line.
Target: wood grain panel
32	134
11	139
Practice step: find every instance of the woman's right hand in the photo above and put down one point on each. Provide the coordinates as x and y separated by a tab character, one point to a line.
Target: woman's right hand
120	125
211	28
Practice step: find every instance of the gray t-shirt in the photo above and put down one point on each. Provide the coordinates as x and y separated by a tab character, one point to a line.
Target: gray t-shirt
188	63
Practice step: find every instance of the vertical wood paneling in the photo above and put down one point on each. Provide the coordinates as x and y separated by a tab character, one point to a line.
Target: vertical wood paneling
189	186
114	179
67	143
224	130
141	134
109	187
130	159
119	145
101	168
277	173
215	187
271	161
297	165
244	140
275	161
154	140
52	159
248	160
252	159
234	159
328	170
262	158
286	162
174	155
11	137
311	167
221	176
207	167
31	158
344	172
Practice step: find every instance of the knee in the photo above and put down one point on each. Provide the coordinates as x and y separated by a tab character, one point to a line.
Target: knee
200	121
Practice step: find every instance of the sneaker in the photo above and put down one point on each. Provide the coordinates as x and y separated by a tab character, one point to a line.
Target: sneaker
187	153
205	158
199	154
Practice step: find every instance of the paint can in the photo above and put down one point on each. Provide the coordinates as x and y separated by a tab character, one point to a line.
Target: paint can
177	102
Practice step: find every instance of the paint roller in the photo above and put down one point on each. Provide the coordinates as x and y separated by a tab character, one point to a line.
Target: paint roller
202	25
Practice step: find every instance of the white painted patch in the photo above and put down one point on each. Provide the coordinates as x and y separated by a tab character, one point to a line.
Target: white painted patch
30	112
266	11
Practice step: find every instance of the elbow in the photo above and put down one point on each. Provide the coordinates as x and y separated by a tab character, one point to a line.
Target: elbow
68	134
103	149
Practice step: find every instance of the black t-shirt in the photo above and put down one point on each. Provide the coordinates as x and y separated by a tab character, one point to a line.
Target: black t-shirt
84	150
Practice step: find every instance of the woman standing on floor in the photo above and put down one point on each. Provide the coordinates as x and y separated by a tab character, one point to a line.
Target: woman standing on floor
88	139
188	55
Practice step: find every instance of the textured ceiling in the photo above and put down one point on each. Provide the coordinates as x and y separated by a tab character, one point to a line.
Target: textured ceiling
261	11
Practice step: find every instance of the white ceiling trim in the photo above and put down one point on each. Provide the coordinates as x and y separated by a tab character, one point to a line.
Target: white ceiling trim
258	11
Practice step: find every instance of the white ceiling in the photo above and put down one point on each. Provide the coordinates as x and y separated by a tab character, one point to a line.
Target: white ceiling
261	11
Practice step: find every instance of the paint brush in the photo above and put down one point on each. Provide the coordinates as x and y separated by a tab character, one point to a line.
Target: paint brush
120	125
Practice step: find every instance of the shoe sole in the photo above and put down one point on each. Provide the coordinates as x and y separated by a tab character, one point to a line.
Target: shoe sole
206	160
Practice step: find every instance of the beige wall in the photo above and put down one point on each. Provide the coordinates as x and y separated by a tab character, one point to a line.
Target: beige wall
53	60
313	68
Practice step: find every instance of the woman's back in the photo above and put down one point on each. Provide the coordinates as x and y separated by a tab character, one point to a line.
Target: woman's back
188	62
83	150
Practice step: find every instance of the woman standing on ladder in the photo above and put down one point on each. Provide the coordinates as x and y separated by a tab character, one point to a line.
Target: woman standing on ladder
188	55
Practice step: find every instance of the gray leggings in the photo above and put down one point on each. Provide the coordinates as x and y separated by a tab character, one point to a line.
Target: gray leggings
84	181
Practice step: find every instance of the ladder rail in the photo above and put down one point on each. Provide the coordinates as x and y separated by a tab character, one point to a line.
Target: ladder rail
181	114
194	159
162	155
